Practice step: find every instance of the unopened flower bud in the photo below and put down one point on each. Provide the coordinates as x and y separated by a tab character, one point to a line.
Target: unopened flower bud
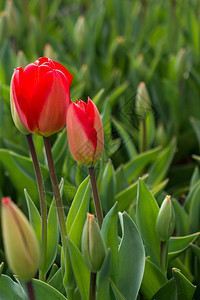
93	247
20	242
143	102
180	63
80	31
166	220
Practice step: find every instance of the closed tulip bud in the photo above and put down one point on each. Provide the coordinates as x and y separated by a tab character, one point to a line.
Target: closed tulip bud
85	132
12	16
41	95
3	27
21	59
166	220
143	102
180	63
20	242
49	52
80	31
93	247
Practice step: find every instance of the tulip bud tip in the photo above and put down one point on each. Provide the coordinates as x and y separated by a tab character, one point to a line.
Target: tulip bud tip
5	200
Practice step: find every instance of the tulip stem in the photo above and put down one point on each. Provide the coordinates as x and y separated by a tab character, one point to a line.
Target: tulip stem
43	205
93	277
97	202
58	199
164	255
30	290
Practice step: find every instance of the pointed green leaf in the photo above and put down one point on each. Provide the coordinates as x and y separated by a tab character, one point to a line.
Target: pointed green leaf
1	267
185	289
44	291
126	197
196	251
178	245
8	288
80	269
147	212
117	293
158	170
52	235
131	259
103	290
110	235
76	203
34	216
153	279
57	281
194	218
24	177
133	168
108	187
82	198
181	218
167	291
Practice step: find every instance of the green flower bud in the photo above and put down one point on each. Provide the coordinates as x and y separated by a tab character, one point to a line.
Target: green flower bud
20	242
80	31
3	27
49	52
180	63
143	102
21	59
166	220
12	16
93	247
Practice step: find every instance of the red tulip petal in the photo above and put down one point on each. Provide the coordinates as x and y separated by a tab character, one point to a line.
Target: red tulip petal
60	67
50	101
80	145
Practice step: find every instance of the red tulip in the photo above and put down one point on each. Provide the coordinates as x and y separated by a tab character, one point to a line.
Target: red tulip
41	96
85	132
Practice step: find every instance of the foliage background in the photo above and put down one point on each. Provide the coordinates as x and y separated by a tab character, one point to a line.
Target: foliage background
109	47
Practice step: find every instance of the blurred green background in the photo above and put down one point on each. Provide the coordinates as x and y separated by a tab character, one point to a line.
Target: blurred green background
110	47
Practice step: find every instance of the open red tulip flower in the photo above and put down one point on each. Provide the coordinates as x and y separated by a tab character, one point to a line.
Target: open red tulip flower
40	96
85	132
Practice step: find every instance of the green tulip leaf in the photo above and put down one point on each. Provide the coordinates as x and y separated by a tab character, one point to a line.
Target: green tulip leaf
110	235
34	217
185	289
196	251
80	269
194	218
126	197
177	245
181	218
130	147
52	272
131	259
59	150
121	181
24	177
159	169
56	281
8	288
103	291
108	187
78	212
159	187
153	279
117	293
1	267
44	291
167	292
133	168
52	235
147	211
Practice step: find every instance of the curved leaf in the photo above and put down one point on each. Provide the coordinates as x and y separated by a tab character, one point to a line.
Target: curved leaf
131	259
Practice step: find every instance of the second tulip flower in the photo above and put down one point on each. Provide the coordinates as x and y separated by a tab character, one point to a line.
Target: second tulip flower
85	132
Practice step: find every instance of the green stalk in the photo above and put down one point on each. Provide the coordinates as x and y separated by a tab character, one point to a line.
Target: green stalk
43	205
30	290
99	214
58	199
144	134
93	277
97	202
164	255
